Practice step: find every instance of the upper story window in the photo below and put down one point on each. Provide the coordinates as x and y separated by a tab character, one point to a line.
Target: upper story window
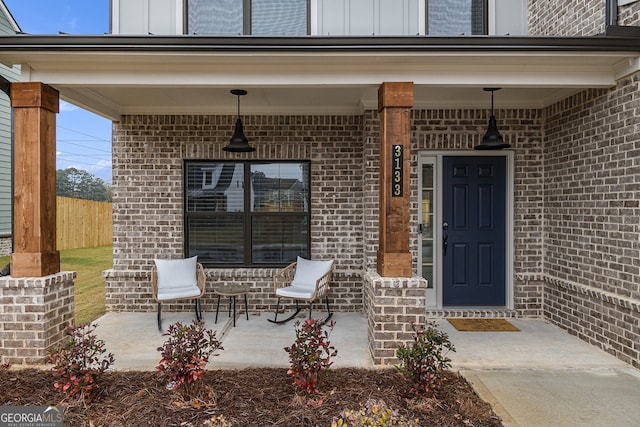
254	17
456	17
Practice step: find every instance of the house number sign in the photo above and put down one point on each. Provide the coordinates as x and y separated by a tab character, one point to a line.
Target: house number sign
397	159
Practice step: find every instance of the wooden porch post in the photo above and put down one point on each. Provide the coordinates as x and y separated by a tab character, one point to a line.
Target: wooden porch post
34	211
395	100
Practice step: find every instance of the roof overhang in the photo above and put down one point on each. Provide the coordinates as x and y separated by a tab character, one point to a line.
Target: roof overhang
116	75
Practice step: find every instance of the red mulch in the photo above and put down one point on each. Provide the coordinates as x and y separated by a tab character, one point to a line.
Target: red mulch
247	397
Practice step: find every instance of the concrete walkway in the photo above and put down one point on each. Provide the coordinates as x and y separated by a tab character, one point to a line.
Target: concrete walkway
538	377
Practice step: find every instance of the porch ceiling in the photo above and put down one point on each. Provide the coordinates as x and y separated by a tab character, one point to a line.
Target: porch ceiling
182	75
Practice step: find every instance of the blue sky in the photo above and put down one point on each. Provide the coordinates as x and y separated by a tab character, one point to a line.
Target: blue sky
83	138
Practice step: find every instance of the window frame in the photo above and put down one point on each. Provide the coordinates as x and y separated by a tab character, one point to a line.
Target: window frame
248	213
246	17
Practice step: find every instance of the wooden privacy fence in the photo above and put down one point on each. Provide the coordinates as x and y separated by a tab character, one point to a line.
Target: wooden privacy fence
83	223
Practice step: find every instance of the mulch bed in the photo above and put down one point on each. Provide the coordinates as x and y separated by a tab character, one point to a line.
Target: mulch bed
247	397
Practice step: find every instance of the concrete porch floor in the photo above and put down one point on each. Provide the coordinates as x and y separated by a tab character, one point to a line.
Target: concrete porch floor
540	376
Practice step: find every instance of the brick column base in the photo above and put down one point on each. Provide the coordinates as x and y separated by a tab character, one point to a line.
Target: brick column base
390	303
34	312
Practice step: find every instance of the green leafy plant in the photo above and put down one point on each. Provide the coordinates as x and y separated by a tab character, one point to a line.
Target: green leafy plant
186	353
310	353
424	361
375	413
78	361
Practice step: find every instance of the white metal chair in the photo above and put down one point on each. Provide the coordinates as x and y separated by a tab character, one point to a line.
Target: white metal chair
303	280
177	279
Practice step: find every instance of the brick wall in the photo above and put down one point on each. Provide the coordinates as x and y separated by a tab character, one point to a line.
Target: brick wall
149	152
371	187
592	217
566	18
148	156
629	14
34	313
5	246
391	304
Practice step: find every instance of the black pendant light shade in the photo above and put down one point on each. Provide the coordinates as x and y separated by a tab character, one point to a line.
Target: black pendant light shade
492	140
239	142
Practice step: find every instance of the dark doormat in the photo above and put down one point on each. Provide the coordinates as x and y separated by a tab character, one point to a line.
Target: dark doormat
483	325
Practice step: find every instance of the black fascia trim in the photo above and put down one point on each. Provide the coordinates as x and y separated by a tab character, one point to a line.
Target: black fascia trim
622	31
189	43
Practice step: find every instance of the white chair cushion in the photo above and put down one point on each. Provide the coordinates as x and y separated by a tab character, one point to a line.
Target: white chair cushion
177	293
308	272
295	292
174	274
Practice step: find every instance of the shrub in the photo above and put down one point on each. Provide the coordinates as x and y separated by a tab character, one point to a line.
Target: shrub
374	414
78	361
186	352
310	353
425	360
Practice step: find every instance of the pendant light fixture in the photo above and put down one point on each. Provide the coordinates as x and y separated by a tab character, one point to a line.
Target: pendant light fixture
492	140
239	142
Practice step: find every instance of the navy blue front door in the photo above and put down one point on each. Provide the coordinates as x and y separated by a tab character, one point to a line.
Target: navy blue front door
473	231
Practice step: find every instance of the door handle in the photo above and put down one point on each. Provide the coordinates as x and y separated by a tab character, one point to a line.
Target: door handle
445	243
445	238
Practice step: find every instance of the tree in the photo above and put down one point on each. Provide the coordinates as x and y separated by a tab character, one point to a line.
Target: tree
80	184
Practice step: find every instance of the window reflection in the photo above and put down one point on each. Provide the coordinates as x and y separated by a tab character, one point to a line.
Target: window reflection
279	187
215	187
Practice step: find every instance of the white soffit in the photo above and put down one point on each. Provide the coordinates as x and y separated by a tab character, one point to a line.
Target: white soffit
112	84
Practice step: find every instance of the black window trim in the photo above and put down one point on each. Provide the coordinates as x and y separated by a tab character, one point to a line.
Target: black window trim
248	214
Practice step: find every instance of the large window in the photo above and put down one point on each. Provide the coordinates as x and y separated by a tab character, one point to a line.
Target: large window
256	17
247	213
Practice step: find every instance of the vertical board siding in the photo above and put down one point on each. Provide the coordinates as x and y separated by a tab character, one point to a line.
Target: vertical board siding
83	223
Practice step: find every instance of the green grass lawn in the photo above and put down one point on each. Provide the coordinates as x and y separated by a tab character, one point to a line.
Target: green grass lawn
88	263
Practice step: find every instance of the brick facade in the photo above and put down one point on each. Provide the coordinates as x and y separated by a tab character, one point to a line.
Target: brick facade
576	18
34	313
391	305
148	153
629	14
566	18
592	217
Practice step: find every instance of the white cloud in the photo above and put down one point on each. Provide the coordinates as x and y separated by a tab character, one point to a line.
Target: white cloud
102	164
65	106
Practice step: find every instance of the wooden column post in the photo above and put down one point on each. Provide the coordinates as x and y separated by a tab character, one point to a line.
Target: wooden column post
395	101
34	210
